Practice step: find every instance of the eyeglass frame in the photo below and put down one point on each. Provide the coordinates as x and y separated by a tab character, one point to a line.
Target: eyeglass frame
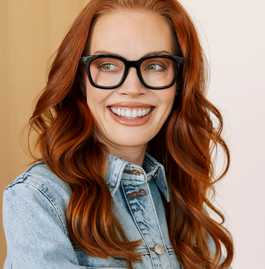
86	60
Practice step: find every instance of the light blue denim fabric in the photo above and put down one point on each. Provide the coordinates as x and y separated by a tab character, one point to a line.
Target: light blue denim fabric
35	225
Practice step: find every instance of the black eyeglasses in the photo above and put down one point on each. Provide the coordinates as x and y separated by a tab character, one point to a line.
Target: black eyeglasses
155	72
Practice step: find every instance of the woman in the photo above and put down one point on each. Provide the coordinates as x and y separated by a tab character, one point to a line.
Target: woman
125	137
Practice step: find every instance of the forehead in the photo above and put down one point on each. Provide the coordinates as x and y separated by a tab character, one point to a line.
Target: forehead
131	34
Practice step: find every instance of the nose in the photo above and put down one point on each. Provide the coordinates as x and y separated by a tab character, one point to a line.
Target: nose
132	86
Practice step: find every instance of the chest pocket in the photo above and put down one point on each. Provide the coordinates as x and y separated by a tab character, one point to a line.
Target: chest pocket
110	263
99	263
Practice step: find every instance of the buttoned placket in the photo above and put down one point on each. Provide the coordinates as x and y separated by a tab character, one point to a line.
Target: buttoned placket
134	183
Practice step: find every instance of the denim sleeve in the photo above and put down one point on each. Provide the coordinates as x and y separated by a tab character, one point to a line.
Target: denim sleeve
35	231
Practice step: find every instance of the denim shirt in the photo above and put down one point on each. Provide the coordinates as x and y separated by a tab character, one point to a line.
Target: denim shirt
35	224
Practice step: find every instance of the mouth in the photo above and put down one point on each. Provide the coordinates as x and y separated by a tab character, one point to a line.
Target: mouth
131	114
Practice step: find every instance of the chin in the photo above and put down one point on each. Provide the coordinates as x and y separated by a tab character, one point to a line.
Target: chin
131	141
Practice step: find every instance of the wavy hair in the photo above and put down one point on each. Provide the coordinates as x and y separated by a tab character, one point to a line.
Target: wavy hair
67	144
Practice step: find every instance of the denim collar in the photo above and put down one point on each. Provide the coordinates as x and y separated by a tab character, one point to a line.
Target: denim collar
152	170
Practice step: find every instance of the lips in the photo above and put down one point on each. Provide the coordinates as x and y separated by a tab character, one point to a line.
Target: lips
131	114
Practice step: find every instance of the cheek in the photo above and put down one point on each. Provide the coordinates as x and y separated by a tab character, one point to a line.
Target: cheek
95	97
167	100
167	97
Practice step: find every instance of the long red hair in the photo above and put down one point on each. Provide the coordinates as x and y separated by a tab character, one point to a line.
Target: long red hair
66	141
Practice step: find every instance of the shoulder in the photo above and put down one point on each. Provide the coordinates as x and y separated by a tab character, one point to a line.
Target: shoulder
37	189
40	177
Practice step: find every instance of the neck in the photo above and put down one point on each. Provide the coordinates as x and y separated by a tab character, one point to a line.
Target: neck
130	154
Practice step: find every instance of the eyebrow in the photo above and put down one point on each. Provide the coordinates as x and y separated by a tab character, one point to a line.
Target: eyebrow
146	54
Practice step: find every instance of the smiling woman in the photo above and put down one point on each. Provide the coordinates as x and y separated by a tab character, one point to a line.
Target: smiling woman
125	136
116	109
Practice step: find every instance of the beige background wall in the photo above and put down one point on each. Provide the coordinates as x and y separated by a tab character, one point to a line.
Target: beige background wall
30	31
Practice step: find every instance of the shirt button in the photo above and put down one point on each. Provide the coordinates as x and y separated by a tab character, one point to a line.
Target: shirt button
159	249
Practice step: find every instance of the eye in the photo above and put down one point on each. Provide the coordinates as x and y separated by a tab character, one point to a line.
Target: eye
155	67
108	67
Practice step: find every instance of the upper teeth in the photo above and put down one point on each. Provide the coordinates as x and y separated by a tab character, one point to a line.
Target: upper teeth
130	113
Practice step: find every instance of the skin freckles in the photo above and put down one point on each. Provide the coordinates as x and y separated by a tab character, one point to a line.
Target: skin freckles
130	35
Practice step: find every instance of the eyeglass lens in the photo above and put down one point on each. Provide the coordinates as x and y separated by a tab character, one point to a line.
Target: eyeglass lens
156	72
